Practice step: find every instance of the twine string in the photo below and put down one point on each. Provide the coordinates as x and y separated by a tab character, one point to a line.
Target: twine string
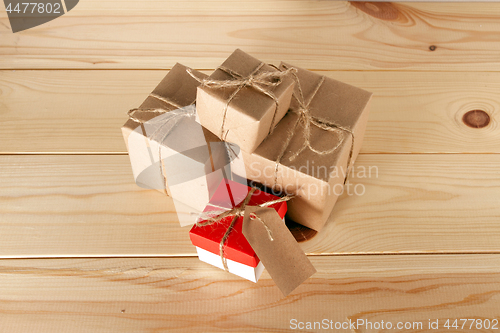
236	212
307	120
254	216
231	226
176	115
261	82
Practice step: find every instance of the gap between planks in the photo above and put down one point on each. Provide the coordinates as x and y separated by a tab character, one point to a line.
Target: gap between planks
311	255
49	153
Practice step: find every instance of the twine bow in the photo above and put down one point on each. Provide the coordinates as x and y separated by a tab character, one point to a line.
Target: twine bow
176	115
261	82
308	120
236	212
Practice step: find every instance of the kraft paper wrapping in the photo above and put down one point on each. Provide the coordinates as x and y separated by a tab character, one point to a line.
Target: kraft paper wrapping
315	179
173	153
249	116
178	87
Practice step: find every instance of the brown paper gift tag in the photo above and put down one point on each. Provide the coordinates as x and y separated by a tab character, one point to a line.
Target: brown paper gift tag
282	256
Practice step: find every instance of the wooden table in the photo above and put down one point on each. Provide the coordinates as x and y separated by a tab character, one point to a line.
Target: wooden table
86	250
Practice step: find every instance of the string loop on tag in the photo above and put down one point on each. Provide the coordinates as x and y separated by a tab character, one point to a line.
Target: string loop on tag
254	216
208	218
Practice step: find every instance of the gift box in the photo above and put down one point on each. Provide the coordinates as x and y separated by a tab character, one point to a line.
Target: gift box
177	87
170	151
240	257
241	103
312	148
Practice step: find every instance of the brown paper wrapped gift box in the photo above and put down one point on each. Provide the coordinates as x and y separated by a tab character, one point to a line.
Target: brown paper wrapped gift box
311	176
177	89
176	86
251	114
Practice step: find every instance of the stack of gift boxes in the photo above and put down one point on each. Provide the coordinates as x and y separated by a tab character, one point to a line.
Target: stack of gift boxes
243	149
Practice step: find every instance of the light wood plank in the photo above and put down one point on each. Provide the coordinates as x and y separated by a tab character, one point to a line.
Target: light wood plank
82	111
64	206
184	294
317	35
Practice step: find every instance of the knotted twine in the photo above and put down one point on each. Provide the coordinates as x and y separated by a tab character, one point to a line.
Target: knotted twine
238	211
207	217
261	82
305	117
176	116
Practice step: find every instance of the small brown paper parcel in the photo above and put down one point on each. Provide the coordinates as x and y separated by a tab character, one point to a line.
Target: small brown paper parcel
276	247
315	167
246	112
177	89
170	151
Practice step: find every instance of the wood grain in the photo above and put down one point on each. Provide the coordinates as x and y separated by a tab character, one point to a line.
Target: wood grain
83	249
82	111
312	34
74	205
184	294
